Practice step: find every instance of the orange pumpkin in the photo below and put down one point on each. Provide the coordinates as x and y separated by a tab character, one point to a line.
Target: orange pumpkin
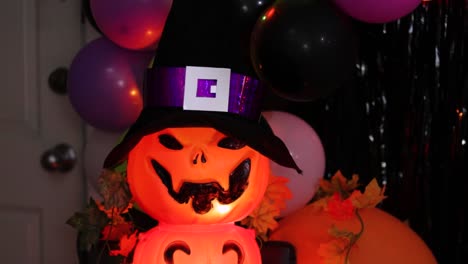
196	176
191	244
386	240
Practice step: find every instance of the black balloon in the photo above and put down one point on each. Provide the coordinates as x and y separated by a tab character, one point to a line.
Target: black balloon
244	14
88	15
249	10
303	49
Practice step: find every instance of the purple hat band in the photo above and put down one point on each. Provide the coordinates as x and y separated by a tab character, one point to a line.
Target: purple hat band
204	89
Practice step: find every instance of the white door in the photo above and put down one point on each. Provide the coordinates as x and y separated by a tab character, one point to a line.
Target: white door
36	37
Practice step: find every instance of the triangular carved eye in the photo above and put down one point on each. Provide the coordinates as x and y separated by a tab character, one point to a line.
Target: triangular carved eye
231	143
170	142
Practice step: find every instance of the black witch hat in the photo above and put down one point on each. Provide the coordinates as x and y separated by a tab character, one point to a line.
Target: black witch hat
202	77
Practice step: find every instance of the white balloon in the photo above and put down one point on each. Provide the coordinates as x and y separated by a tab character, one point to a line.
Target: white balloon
307	151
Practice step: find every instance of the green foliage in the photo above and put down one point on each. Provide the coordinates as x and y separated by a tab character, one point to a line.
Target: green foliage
89	223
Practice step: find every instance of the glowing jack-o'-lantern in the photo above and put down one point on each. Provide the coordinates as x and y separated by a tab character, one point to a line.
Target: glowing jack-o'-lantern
218	243
186	166
196	176
196	182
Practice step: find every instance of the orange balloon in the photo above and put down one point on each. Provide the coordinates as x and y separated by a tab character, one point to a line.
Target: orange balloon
385	240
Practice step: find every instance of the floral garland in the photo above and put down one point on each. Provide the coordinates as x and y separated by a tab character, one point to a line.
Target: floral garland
111	220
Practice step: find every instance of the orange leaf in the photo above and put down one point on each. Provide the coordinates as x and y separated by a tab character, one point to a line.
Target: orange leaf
340	209
339	180
334	251
339	184
263	217
372	196
126	245
326	186
115	232
277	191
113	213
321	204
353	183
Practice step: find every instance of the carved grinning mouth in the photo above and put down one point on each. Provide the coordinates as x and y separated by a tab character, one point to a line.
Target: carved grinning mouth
202	194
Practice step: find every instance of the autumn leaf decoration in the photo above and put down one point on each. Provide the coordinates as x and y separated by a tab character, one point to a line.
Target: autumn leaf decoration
263	218
104	220
126	245
340	199
110	220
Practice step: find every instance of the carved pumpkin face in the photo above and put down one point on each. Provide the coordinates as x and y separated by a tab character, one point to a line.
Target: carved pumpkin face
196	176
187	244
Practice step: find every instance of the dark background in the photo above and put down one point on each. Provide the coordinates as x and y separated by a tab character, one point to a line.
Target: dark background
403	121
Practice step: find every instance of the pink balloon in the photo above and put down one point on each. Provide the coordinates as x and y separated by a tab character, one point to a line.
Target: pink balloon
105	82
377	11
132	24
306	148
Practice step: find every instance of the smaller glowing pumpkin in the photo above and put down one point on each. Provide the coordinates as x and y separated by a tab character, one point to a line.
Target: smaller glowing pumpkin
196	176
190	244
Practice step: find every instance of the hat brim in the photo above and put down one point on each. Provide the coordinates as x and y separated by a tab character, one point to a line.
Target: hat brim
256	134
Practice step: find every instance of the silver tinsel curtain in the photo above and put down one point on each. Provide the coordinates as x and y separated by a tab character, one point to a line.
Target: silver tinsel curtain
404	121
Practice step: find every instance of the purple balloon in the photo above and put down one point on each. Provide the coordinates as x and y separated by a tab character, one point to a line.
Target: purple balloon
104	84
132	24
377	11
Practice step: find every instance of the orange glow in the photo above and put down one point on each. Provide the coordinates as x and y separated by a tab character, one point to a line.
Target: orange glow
134	92
149	32
221	208
269	14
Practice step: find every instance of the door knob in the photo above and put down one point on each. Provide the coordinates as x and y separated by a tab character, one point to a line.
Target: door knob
58	80
61	158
